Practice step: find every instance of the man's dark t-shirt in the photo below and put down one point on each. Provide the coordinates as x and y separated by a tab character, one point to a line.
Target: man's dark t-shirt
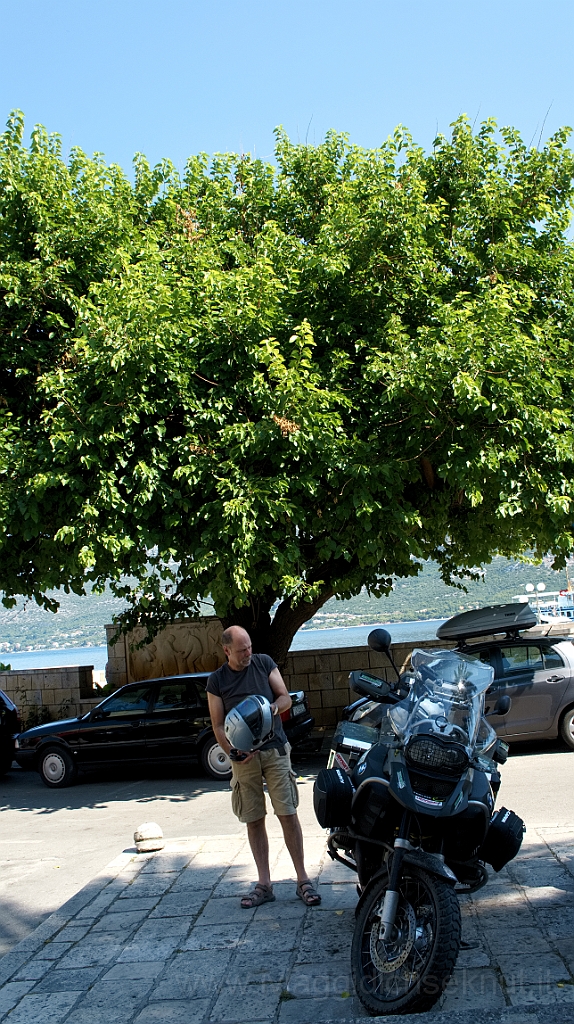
233	687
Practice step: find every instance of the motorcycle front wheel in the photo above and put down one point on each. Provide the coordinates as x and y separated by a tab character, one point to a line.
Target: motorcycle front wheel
409	972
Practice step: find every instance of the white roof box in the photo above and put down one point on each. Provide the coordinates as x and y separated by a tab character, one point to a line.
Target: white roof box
498	618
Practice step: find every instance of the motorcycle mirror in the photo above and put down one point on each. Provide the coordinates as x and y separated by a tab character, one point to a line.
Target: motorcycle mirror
379	640
502	706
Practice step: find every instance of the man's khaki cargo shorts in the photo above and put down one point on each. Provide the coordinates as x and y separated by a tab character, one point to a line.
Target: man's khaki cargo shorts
248	797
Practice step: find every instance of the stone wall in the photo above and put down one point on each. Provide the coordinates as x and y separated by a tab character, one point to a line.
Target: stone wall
324	674
194	646
46	694
181	647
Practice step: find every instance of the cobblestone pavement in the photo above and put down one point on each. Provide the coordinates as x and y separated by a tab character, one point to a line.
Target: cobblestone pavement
161	938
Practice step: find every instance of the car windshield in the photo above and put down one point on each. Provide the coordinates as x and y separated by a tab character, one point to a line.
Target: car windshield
447	696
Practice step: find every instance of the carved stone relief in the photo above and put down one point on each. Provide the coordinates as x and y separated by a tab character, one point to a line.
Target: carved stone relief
181	647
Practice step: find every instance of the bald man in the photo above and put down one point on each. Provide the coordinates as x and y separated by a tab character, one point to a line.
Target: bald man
243	675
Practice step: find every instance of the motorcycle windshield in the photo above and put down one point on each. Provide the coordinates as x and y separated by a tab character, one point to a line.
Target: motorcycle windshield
447	697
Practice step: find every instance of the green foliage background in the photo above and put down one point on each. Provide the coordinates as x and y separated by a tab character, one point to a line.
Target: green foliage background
280	383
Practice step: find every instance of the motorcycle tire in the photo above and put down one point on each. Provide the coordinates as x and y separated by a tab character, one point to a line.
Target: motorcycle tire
409	973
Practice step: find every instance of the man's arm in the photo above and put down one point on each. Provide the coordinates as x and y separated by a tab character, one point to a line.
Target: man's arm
217	715
282	700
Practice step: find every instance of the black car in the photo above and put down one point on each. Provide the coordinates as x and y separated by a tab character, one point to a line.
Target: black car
156	721
10	726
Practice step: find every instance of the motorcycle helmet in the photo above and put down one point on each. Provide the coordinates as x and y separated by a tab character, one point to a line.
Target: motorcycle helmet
249	724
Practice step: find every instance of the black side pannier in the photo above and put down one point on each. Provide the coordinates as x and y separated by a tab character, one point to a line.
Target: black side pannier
503	839
332	796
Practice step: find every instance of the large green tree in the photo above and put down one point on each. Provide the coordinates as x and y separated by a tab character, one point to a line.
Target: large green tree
270	385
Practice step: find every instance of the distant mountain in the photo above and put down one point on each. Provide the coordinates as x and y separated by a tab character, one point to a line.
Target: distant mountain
80	621
426	597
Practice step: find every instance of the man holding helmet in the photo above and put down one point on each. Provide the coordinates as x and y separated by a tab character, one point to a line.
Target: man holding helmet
256	725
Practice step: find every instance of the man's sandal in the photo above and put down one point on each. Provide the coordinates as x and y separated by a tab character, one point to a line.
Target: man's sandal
307	892
260	894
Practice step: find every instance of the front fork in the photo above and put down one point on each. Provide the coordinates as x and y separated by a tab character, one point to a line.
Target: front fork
391	900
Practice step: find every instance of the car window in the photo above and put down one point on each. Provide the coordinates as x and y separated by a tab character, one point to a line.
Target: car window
552	659
520	659
174	695
127	703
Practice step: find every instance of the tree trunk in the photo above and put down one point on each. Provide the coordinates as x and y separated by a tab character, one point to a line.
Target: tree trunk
274	636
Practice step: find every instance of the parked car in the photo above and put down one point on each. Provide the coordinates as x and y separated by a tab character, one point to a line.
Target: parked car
10	726
536	672
156	721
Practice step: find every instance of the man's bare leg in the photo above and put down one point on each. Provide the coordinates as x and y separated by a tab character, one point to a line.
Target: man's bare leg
259	843
294	843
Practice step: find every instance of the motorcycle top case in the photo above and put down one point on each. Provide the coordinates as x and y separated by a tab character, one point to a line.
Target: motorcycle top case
498	618
503	839
332	797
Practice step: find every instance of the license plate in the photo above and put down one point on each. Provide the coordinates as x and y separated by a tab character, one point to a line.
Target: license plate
299	709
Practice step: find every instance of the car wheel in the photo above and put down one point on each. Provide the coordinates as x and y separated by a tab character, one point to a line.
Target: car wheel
215	761
56	768
567	728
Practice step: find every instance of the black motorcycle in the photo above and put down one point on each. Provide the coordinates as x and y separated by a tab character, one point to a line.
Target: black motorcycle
415	819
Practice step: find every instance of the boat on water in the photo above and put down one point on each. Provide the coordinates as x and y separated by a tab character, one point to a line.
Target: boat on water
551	606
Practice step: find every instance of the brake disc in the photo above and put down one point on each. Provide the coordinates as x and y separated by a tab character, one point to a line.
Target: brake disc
396	950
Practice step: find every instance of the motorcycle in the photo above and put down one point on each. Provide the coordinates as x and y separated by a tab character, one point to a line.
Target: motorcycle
415	819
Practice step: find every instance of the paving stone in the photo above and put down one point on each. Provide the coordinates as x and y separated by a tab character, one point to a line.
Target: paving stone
124	923
327	934
542	995
73	932
520	969
167	862
111	1001
150	949
174	1011
76	980
527	939
215	937
255	1002
257	967
53	950
134	971
558	922
338	896
321	980
473	987
194	975
158	928
11	994
280	910
99	950
204	877
272	934
120	906
11	963
148	885
34	970
222	911
551	896
181	904
44	1008
97	906
303	1011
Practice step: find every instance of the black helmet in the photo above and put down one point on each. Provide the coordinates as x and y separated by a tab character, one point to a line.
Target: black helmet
250	724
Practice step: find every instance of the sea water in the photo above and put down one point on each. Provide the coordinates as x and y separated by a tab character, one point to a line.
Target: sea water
304	640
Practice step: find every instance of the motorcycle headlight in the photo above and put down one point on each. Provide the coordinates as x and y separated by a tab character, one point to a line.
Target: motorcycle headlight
433	754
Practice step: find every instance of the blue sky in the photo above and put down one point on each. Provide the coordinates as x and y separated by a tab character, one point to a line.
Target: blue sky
180	76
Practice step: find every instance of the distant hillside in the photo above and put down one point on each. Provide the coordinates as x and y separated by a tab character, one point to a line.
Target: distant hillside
427	597
80	621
